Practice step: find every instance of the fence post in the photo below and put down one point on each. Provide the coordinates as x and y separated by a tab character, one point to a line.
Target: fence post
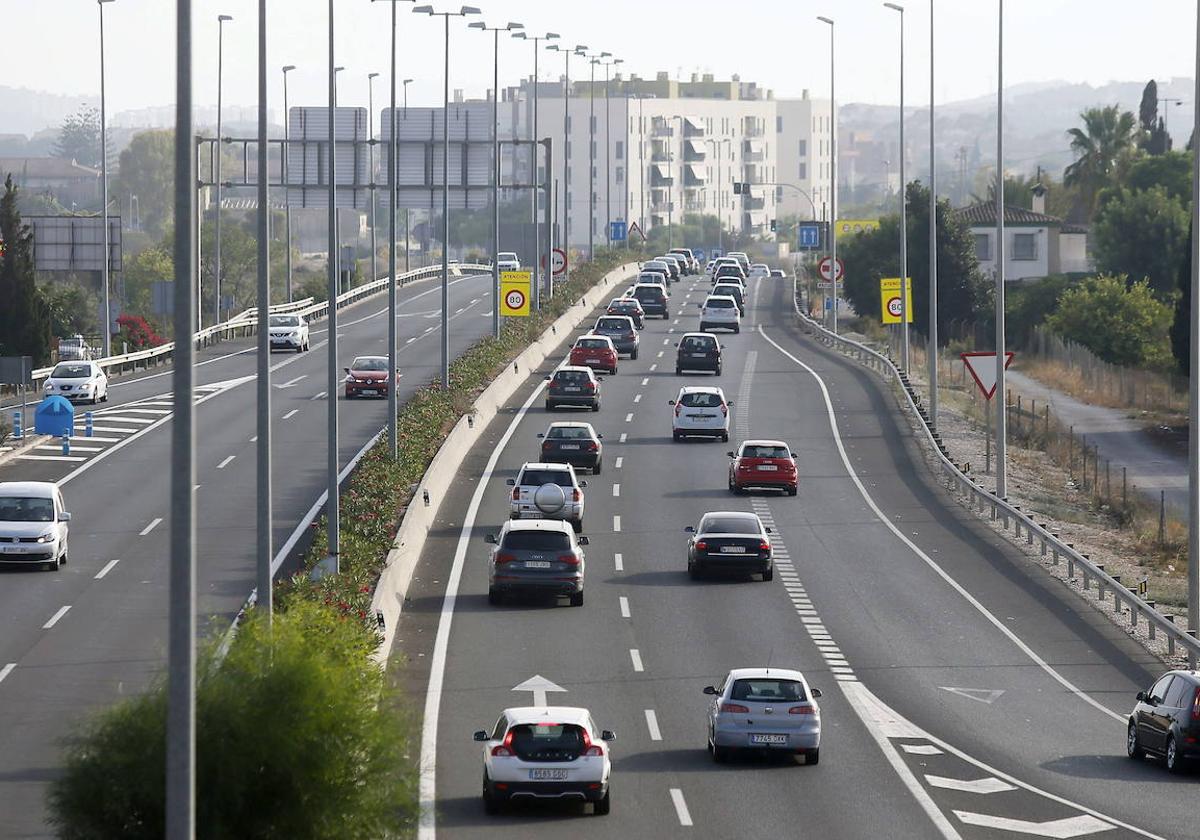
1108	480
1162	518
1124	487
1071	450
1096	471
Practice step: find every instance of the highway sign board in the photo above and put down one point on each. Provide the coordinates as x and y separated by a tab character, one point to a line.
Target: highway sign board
826	269
828	304
982	367
809	236
617	231
849	227
515	287
698	253
889	294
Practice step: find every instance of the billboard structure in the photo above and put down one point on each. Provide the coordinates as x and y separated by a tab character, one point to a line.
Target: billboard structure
74	243
308	157
419	156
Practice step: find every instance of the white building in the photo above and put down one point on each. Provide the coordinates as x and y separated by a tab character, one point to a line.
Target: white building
1036	244
802	138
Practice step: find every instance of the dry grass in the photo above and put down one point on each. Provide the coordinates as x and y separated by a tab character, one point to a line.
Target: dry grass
1151	395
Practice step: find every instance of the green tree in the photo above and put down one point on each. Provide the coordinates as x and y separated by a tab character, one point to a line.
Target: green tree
239	262
1120	322
147	170
1181	328
1170	170
24	313
72	309
1102	149
79	137
1141	234
141	271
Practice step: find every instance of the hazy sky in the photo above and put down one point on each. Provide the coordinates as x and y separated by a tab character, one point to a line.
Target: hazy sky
52	45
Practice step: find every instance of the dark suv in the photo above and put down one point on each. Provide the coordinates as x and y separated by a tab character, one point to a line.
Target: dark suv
1166	720
621	330
571	385
652	298
698	351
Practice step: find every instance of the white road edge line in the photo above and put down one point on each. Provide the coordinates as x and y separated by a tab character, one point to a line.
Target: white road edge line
108	567
54	618
681	808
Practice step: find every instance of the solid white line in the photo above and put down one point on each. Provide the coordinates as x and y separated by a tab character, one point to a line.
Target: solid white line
120	429
116	418
636	658
617	464
107	568
616	489
224	463
619	562
54	618
71	458
624	604
6	670
681	808
291	414
652	725
616	522
95	439
153	524
126	409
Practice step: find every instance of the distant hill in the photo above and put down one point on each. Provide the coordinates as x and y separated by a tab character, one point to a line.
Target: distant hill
31	111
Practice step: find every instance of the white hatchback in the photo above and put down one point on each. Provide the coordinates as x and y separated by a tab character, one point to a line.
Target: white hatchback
700	410
546	752
83	381
760	270
720	311
33	524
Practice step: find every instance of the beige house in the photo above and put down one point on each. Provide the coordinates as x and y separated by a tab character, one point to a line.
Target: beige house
1036	244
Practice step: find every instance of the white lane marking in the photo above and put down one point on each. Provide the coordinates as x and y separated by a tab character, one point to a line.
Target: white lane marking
623	436
74	447
6	670
623	602
988	784
652	725
616	522
980	695
120	430
636	658
254	439
225	462
619	562
929	561
1064	828
94	439
320	395
118	418
653	368
153	524
616	489
70	458
628	417
676	321
54	618
108	567
920	749
291	414
157	412
410	340
619	461
681	808
665	341
437	672
645	380
637	398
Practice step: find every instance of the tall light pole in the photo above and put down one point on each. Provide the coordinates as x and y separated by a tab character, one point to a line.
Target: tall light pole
495	30
608	153
107	323
462	12
580	49
933	241
337	216
593	60
371	164
1001	350
903	208
221	19
287	207
717	144
533	153
333	286
396	157
1194	367
264	599
832	174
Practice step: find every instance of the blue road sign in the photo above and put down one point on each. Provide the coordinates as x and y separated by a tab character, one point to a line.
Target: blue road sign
699	254
810	236
617	231
717	253
828	304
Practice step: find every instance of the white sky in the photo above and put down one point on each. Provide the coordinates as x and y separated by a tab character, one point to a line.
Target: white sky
52	45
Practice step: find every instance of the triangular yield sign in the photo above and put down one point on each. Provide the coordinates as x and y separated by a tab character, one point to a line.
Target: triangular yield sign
635	228
981	695
983	370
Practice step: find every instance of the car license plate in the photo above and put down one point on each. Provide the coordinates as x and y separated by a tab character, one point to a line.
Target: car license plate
547	774
733	549
768	467
370	391
537	564
698	355
758	738
572	389
703	416
14	549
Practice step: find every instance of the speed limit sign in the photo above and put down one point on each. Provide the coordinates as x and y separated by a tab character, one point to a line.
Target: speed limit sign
515	288
894	307
515	299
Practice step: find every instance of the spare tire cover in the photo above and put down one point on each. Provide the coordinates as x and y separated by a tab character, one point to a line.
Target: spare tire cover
549	498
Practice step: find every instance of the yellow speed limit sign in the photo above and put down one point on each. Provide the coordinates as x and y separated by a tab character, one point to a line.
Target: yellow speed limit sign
889	295
515	288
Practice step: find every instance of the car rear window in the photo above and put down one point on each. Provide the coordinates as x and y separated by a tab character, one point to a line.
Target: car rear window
729	525
71	371
697	343
701	400
536	541
569	433
26	509
612	324
547	741
571	377
536	478
752	451
718	303
592	343
766	690
655	294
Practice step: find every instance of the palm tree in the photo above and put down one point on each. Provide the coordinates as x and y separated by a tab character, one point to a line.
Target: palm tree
1108	139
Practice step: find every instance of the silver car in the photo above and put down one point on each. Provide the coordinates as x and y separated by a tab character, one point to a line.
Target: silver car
547	491
33	524
536	556
765	709
623	332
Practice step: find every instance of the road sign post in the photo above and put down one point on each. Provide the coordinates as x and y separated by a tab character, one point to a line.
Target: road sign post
809	236
515	291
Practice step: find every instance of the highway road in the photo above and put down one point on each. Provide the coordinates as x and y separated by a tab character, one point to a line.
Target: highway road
966	694
78	639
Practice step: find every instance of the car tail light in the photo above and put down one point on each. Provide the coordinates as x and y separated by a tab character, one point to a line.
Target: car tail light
590	387
724	410
801	710
504	557
546	444
702	546
735	708
501	751
591	446
678	407
575	495
516	493
763	545
594	750
569	559
1196	705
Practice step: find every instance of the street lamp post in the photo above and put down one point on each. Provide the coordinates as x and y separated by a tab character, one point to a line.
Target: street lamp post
537	297
1193	585
565	203
221	19
933	241
333	284
371	167
832	175
395	159
264	595
495	30
999	396
106	332
903	208
462	12
337	257
287	207
608	153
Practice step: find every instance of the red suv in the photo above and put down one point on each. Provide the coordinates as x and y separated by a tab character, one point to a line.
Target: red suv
764	464
596	352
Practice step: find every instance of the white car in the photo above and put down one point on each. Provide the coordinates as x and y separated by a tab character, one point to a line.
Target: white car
760	270
508	261
708	268
771	709
742	257
288	332
547	491
701	411
720	311
82	381
546	752
33	524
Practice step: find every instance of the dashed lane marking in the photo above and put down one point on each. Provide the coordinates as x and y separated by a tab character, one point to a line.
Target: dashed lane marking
652	725
224	463
54	619
623	603
108	567
681	808
6	670
153	524
618	462
619	562
636	658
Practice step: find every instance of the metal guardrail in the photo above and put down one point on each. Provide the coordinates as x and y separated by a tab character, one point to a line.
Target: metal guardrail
245	323
981	500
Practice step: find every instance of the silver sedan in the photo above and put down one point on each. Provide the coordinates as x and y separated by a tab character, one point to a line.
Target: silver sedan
764	709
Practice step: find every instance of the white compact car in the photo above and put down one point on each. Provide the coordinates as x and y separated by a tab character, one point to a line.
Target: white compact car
760	270
770	709
547	491
546	752
33	524
82	381
701	411
508	261
720	311
289	332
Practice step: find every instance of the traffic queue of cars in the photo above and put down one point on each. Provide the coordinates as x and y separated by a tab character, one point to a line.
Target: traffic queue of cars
558	752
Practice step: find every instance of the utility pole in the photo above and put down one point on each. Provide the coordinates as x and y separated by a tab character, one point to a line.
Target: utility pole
1001	354
371	166
106	332
221	20
264	597
932	355
287	200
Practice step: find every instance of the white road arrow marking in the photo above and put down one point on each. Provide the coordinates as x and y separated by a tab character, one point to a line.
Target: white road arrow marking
291	383
540	686
980	695
988	784
1080	826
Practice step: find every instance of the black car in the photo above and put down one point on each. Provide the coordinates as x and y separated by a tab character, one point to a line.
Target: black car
621	330
577	444
572	385
630	307
698	351
653	299
1166	720
731	272
730	541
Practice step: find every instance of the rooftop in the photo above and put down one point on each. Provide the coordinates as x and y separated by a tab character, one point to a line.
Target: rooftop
984	213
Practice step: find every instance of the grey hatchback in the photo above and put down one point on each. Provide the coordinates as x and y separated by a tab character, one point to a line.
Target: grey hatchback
1166	720
541	555
622	330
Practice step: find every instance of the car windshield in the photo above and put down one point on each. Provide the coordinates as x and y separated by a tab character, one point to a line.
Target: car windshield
698	343
767	690
569	433
729	525
285	320
718	303
507	255
71	371
369	364
26	509
618	324
701	400
531	741
752	450
536	478
593	343
537	541
570	377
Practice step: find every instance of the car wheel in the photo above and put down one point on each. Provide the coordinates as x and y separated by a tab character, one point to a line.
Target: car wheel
1174	760
721	754
105	397
675	436
613	369
596	469
812	756
491	805
549	405
718	370
737	329
725	437
768	575
299	348
633	355
1133	746
576	599
693	570
793	490
493	596
596	405
601	806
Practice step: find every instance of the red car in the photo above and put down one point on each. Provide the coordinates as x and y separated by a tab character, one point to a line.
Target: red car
763	464
596	352
367	377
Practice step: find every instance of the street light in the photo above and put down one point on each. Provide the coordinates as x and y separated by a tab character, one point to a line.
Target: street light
331	562
833	272
107	330
903	208
533	136
263	500
371	164
495	30
287	206
608	153
999	396
933	286
565	240
462	12
1194	383
221	19
395	157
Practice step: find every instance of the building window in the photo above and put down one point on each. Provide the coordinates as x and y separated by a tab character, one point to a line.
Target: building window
620	175
804	148
592	122
804	172
779	125
620	150
1025	246
983	247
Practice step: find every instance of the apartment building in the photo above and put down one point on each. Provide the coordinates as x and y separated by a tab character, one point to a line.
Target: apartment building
803	135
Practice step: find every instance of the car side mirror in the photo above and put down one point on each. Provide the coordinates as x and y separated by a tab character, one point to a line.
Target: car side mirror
608	735
731	454
708	689
511	482
481	735
541	434
599	437
347	370
768	529
816	692
689	529
1141	697
670	402
548	378
64	517
583	541
490	538
583	483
